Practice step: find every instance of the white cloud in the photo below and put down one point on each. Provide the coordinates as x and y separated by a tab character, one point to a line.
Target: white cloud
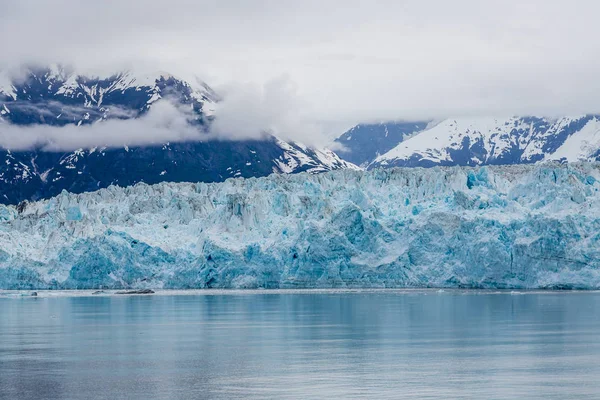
350	60
163	123
249	110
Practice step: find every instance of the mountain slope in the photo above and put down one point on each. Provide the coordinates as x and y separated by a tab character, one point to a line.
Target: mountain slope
56	97
494	141
365	142
34	175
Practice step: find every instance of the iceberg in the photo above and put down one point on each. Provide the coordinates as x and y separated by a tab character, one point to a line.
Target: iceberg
512	227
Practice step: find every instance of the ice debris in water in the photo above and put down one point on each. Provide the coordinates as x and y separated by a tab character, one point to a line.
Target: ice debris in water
535	226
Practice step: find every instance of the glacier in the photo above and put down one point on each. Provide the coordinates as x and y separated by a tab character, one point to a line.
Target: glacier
517	226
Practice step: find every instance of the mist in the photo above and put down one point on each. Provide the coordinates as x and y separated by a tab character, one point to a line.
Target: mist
163	123
309	70
249	111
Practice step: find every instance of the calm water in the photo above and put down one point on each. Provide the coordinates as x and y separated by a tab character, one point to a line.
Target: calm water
313	345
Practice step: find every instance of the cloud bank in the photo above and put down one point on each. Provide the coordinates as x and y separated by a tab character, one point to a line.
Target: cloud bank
163	123
349	60
249	111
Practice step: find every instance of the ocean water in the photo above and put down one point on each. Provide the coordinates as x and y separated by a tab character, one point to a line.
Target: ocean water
301	345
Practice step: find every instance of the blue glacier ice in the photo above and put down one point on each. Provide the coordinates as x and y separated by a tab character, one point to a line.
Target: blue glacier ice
520	226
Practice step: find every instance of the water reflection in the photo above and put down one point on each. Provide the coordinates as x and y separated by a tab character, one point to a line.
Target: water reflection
349	345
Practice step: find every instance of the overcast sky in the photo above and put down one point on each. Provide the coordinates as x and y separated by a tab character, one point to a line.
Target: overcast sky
338	62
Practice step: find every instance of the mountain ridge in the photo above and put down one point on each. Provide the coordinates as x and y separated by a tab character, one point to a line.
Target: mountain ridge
474	141
57	98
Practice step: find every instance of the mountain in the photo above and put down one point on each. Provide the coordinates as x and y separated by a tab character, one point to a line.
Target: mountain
483	141
518	226
365	142
56	97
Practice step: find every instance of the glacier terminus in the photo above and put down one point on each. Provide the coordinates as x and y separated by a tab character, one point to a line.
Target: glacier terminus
520	226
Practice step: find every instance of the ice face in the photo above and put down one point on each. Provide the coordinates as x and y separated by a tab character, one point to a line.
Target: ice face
535	226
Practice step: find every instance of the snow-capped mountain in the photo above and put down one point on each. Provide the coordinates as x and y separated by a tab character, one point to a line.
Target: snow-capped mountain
488	141
518	226
58	97
365	142
478	141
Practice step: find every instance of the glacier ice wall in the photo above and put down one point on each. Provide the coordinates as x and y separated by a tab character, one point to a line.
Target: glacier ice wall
534	226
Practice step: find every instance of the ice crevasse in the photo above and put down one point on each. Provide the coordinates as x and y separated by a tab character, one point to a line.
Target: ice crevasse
522	226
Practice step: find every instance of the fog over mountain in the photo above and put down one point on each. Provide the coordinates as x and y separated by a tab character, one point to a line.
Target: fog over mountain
314	69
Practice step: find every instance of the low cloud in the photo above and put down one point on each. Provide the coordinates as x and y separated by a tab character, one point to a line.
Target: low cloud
49	109
245	112
163	123
249	111
353	61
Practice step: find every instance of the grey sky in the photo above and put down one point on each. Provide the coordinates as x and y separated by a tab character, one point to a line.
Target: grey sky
347	60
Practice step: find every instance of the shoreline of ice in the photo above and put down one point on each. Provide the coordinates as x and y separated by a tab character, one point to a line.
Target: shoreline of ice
45	294
496	227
